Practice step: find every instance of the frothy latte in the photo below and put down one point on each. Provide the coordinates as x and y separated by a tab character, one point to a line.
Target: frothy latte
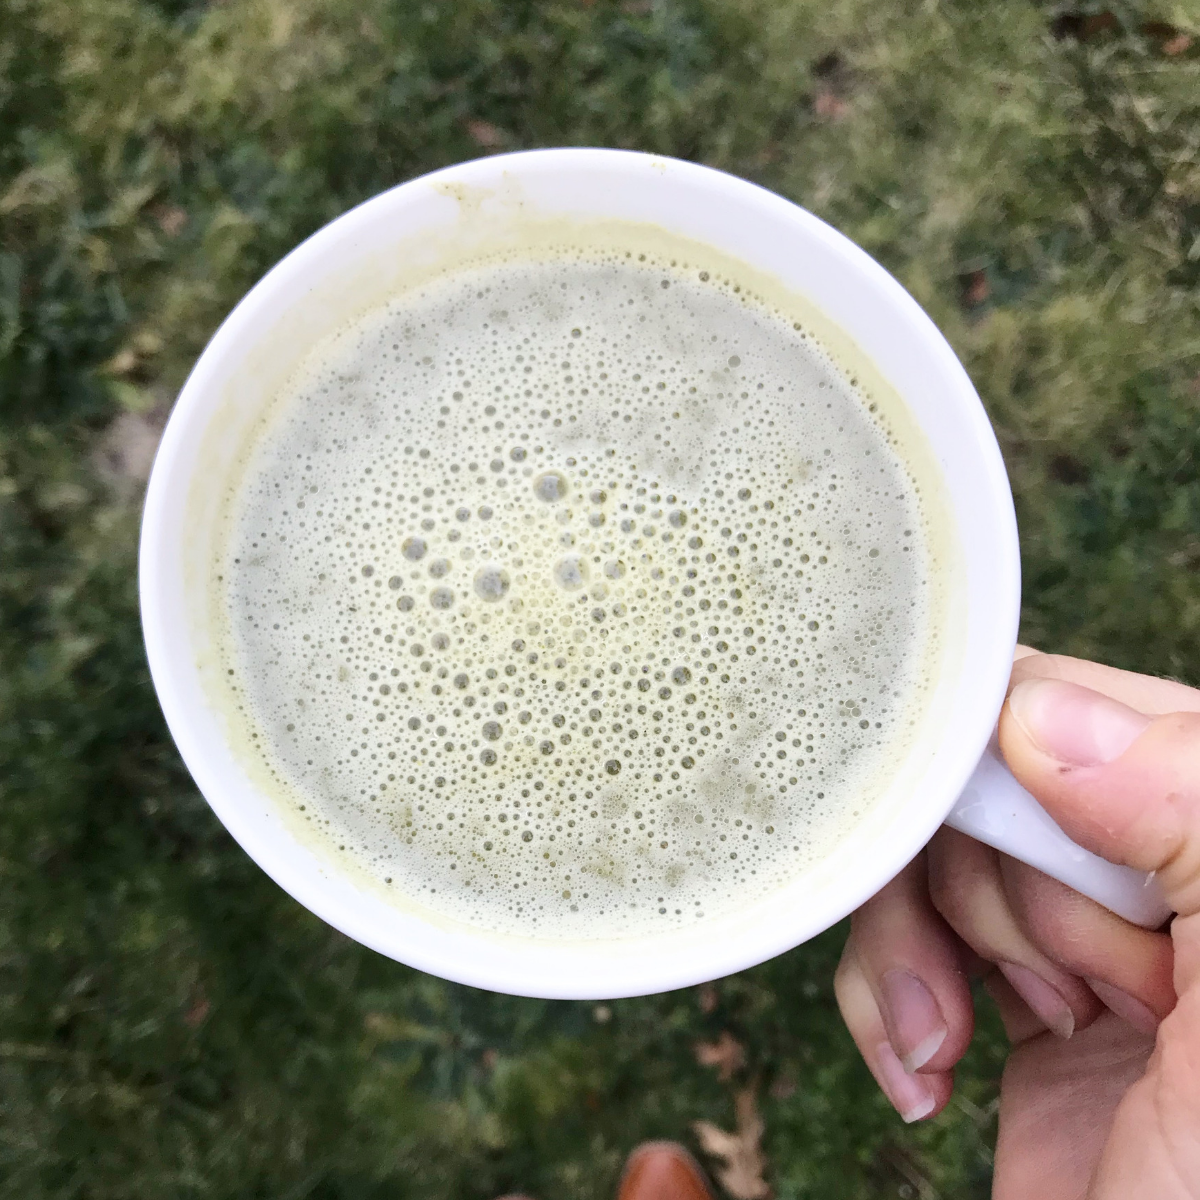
576	595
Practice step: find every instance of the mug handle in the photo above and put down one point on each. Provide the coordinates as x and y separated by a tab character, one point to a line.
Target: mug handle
995	809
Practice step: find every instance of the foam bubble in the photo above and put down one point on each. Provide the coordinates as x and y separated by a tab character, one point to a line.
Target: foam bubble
571	572
492	583
550	486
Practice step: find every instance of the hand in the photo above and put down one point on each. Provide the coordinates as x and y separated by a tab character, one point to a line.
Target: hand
1100	1096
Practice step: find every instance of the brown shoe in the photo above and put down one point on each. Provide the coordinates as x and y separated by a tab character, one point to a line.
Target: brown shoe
663	1171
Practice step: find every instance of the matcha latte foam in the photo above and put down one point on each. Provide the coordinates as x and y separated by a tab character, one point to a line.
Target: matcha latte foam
576	595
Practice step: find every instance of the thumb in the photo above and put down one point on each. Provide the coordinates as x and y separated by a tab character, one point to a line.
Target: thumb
1120	783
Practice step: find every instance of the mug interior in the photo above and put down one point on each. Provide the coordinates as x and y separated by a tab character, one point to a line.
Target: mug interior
366	255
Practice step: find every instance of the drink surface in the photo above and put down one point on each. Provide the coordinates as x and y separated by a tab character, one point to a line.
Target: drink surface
576	596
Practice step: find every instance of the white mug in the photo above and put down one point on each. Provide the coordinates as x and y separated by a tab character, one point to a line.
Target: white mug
950	774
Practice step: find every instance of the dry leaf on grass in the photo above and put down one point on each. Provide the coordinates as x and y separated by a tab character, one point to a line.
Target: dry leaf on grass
828	105
171	218
835	80
975	288
124	362
726	1054
126	451
485	134
742	1173
198	1009
1083	26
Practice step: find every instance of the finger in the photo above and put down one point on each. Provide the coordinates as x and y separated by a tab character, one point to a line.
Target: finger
913	965
1019	1020
1057	1102
1121	783
1128	968
914	1096
967	888
1146	693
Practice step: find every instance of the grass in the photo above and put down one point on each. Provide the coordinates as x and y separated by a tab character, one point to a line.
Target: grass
171	1024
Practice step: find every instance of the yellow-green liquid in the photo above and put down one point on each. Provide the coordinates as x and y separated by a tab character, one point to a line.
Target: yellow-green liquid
577	596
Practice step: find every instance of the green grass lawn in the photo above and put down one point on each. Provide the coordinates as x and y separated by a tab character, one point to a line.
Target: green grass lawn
171	1024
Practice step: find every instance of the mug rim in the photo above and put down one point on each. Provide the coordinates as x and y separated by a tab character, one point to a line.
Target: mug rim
509	965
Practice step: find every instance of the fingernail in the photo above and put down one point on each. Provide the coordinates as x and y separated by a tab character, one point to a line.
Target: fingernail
1073	723
1127	1007
911	1095
914	1020
1045	1000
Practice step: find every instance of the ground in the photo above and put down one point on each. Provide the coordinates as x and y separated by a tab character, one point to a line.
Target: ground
171	1024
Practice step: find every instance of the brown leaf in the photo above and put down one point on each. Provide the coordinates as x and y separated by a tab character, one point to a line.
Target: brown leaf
124	362
726	1054
1083	27
1160	31
171	219
1188	557
488	1060
1171	40
707	998
1103	22
131	360
975	288
741	1174
834	84
198	1010
379	1025
485	134
126	451
828	105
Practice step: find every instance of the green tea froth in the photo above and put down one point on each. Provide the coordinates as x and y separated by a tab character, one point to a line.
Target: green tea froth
576	597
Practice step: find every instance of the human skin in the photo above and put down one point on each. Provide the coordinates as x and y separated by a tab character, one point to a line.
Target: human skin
1100	1096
